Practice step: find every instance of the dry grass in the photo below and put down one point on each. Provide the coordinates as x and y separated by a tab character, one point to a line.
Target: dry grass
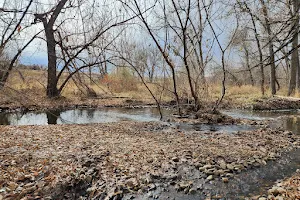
31	84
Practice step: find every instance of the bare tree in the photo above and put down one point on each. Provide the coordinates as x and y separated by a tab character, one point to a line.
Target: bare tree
12	20
295	55
74	43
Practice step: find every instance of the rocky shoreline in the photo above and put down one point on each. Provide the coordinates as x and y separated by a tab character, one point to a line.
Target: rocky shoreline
126	159
288	189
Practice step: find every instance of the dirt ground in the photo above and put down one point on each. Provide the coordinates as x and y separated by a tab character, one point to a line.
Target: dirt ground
106	161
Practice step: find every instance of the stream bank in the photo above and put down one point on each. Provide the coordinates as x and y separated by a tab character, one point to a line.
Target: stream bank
112	160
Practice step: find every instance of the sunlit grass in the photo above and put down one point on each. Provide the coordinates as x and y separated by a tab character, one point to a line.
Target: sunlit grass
32	83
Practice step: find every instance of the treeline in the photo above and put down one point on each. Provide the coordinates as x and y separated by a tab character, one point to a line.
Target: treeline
243	42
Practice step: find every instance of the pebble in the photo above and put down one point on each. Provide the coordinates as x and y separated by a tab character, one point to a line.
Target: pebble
229	175
12	185
225	180
91	189
276	191
210	177
230	166
175	159
279	198
223	165
262	198
192	191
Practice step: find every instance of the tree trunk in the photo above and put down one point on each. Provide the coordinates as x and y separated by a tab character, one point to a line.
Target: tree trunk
271	49
52	90
261	64
295	55
248	65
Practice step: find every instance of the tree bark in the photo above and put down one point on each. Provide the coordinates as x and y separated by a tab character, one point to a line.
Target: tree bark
52	90
271	48
295	54
52	79
248	64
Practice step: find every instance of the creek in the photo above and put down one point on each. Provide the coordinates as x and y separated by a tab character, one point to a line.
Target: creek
250	182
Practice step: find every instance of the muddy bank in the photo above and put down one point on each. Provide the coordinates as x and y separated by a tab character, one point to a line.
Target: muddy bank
66	104
287	189
110	160
276	103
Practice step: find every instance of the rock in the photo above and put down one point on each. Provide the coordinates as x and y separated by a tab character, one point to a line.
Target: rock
205	167
91	189
225	180
149	160
171	177
88	178
184	185
271	196
279	198
209	171
150	194
151	187
28	185
256	164
238	167
223	165
175	159
221	172
91	171
12	185
229	175
276	191
264	150
217	197
262	198
132	183
263	162
192	191
230	166
210	177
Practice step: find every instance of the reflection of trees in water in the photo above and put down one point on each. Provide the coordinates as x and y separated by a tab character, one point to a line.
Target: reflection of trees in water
90	113
52	116
293	123
4	119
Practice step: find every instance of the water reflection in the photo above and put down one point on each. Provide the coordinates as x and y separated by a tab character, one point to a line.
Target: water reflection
285	119
4	119
80	116
291	123
53	116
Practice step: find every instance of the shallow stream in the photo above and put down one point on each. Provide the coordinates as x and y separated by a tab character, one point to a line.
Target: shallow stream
251	182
